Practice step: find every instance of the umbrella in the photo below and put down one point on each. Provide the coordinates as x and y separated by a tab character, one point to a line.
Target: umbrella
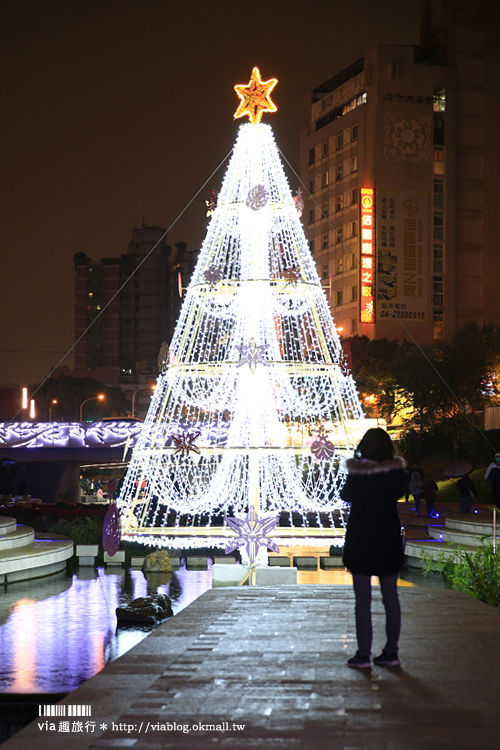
457	469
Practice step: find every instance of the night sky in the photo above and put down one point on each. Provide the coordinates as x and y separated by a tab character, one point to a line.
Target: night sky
119	111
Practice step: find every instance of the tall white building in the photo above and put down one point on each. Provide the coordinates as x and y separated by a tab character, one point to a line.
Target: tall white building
400	154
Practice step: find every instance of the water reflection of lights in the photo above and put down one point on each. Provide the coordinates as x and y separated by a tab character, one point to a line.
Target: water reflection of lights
55	644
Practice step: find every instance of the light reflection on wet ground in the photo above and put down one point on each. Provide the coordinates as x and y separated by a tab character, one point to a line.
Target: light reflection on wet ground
57	632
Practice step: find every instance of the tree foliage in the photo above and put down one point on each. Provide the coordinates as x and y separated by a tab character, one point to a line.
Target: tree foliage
438	383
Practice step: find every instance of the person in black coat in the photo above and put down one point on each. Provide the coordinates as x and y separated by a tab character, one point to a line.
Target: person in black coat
373	540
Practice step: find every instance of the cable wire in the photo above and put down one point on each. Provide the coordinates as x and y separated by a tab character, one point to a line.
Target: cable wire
118	291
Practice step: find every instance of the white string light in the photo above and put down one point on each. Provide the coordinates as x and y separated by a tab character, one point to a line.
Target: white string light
256	368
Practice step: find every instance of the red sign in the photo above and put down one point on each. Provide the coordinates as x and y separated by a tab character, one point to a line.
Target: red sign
367	257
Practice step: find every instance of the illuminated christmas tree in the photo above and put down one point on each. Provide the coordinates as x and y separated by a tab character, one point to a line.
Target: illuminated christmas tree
254	406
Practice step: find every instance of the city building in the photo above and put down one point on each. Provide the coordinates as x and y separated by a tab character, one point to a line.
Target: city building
400	156
120	346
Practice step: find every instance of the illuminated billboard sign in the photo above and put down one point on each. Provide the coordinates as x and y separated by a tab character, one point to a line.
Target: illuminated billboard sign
367	257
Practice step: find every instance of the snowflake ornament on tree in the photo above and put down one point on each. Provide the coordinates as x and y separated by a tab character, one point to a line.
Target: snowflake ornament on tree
212	275
252	355
252	534
184	441
292	275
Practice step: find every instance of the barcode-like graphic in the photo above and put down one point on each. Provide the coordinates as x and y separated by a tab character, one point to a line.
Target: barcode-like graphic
62	710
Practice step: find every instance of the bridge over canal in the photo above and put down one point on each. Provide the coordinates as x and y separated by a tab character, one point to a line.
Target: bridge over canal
52	454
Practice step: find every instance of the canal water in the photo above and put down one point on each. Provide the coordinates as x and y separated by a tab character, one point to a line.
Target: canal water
57	632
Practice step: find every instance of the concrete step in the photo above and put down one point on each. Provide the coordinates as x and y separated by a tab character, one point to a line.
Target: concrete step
47	554
434	548
7	525
472	526
458	536
19	537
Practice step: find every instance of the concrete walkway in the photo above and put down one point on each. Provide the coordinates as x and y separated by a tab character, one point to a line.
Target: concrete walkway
266	668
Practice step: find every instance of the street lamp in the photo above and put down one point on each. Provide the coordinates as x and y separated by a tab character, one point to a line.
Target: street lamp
100	397
145	388
53	402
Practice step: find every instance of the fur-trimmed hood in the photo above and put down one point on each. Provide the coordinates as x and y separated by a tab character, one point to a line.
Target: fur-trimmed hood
366	467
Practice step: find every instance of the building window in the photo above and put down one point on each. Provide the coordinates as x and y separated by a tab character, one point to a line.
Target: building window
438	161
340	140
311	246
438	194
311	186
312	215
354	325
326	148
354	136
354	293
438	325
438	231
325	242
354	195
325	271
439	104
437	259
438	132
339	265
438	292
324	209
354	163
324	179
339	297
340	234
354	228
340	202
339	172
311	157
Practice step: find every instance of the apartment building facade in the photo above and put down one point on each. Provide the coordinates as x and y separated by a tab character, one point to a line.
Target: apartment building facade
395	154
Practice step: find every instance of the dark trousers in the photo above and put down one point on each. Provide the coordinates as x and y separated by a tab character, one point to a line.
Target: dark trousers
363	593
465	504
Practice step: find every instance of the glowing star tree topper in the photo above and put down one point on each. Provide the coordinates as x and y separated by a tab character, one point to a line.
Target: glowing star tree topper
255	97
255	370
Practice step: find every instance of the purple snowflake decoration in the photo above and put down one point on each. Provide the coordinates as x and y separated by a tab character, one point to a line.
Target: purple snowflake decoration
257	198
321	447
252	534
111	532
292	275
184	441
212	275
252	355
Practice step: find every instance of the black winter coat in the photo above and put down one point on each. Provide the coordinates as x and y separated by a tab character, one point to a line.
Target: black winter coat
373	542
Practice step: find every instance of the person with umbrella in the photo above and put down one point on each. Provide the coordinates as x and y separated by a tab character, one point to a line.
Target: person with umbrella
467	493
465	486
492	475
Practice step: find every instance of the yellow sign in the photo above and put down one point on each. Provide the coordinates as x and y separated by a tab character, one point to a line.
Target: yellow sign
255	97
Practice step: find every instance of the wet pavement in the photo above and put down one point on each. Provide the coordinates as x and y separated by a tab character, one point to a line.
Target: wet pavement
244	668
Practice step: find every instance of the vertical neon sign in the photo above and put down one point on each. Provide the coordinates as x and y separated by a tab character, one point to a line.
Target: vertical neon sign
367	257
